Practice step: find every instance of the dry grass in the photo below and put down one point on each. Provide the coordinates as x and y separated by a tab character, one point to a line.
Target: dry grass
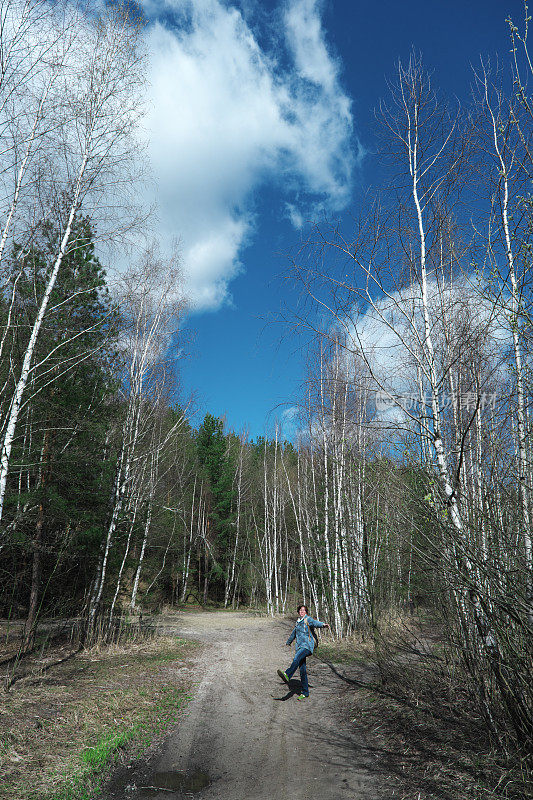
355	649
66	725
432	754
419	719
397	630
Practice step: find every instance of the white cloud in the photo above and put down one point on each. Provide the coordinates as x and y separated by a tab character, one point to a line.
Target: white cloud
295	215
290	413
225	118
465	328
306	39
289	422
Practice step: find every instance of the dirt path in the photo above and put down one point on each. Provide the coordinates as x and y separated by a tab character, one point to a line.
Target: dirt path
247	733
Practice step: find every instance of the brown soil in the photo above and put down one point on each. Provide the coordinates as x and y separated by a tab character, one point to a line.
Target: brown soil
245	735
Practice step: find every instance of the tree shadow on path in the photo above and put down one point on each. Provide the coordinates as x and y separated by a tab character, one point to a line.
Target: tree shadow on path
433	753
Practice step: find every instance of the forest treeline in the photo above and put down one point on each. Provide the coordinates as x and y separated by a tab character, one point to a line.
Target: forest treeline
407	481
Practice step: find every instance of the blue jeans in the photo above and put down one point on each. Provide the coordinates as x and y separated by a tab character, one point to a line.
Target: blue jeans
299	661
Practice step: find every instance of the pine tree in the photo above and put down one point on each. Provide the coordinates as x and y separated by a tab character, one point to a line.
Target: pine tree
217	466
57	494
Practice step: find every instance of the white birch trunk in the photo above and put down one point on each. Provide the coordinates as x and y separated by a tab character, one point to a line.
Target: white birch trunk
523	467
28	355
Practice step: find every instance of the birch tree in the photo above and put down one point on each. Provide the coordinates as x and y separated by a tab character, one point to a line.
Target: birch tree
505	144
151	306
402	292
97	121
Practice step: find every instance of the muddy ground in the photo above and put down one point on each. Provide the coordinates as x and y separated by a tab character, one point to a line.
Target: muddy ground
245	735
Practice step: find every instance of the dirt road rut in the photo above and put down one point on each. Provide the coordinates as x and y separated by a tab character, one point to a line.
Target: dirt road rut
246	732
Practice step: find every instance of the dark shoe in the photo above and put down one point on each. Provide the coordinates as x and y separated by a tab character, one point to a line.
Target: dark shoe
283	676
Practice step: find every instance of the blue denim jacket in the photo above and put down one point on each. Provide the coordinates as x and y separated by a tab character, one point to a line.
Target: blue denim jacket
302	634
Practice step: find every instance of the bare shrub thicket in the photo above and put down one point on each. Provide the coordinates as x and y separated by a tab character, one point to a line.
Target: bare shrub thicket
427	304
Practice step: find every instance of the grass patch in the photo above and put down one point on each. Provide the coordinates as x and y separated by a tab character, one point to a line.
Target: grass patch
212	608
62	732
351	650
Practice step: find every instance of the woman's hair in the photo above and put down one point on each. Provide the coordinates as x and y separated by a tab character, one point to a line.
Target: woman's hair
302	605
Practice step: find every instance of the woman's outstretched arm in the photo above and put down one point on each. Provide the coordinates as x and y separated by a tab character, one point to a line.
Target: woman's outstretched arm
314	623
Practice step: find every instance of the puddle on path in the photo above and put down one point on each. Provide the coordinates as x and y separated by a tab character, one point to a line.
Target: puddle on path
170	782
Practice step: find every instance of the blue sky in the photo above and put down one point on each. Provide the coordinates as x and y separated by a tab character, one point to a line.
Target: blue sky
262	117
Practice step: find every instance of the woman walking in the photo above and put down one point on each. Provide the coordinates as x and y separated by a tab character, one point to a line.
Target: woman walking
305	644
